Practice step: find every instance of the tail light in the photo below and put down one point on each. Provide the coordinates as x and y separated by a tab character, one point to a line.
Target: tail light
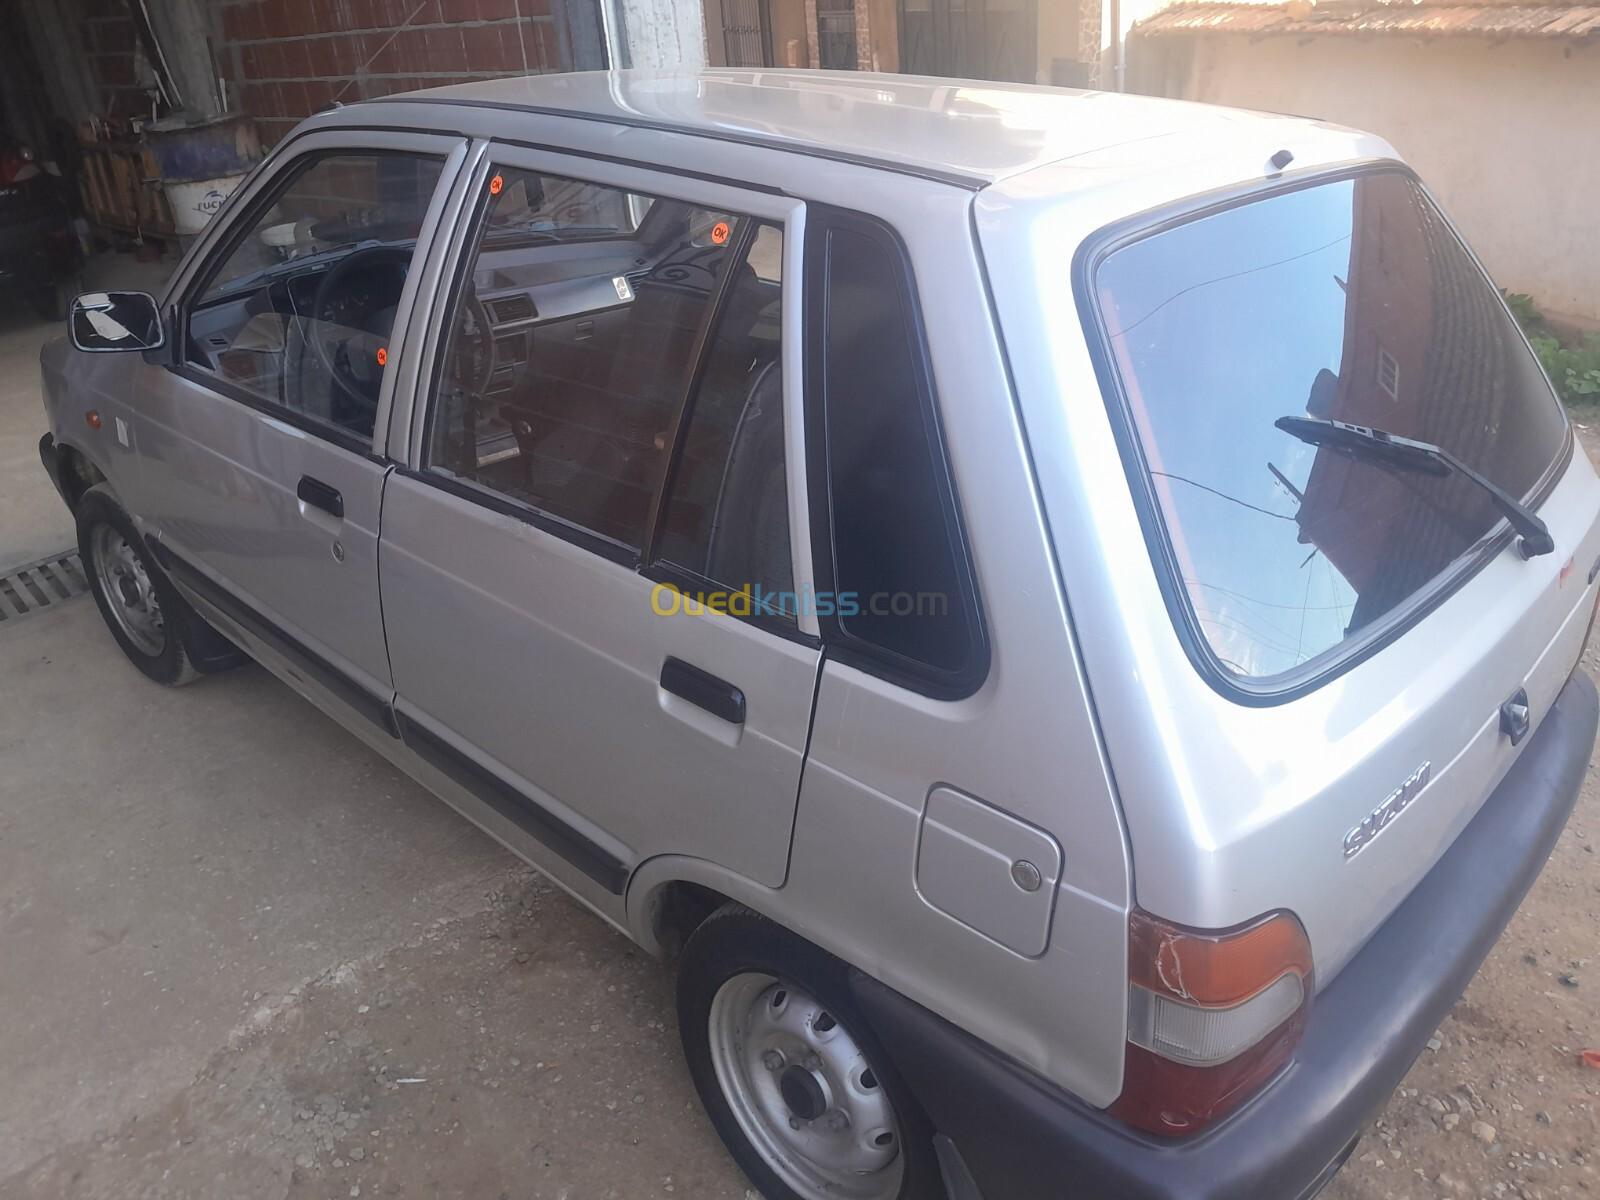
1212	1015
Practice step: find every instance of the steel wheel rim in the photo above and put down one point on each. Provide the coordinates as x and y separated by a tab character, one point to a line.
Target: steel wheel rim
803	1092
129	594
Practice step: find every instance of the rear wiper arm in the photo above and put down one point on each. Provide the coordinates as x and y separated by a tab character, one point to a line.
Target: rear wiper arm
1535	537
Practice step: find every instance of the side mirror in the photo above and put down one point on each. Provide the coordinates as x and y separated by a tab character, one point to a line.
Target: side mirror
101	322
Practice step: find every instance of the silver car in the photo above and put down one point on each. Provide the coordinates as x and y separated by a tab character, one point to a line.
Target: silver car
1059	609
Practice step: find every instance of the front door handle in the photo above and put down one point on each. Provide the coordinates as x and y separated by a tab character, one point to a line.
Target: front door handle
703	690
319	495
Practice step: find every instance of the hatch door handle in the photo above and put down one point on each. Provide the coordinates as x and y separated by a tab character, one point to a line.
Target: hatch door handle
703	690
319	495
1516	716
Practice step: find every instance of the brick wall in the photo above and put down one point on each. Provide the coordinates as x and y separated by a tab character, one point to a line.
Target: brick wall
286	59
108	38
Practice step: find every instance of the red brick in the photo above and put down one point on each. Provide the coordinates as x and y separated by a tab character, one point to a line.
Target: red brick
250	62
349	53
251	26
445	50
322	59
549	43
269	60
482	48
296	58
274	19
233	23
318	94
382	55
292	98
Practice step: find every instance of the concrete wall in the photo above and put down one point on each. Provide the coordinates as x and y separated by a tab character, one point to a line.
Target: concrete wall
1506	135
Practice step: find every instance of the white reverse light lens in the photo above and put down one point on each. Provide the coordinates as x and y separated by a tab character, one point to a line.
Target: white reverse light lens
1204	1037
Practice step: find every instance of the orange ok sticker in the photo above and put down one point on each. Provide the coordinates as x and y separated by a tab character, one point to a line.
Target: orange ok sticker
383	356
497	185
719	233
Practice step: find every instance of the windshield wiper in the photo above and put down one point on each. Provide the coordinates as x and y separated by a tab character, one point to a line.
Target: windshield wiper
1408	452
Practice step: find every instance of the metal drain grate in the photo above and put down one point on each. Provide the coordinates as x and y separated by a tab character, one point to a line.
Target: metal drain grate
26	589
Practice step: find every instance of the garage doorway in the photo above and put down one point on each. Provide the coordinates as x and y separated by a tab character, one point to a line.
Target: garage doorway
970	39
739	33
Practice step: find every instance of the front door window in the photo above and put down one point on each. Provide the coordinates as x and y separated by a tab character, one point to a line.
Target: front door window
297	315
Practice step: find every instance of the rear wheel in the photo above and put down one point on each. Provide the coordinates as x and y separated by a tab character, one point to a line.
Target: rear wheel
799	1090
149	620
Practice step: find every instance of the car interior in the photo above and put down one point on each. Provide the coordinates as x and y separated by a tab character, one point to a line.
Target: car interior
569	347
572	342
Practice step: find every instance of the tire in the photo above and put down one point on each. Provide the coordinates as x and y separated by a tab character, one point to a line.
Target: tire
798	1088
153	624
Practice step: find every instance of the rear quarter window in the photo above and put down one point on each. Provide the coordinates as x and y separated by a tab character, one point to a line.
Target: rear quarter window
1350	299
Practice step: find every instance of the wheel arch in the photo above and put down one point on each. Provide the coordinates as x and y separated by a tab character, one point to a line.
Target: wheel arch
78	473
671	896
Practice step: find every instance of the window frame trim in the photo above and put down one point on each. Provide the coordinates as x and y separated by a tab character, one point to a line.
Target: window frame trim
1269	691
754	207
257	193
888	665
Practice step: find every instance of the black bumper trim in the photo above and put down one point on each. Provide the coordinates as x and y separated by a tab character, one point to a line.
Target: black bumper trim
1024	1139
51	458
599	864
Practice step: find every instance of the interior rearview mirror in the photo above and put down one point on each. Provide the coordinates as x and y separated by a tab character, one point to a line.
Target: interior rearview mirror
109	321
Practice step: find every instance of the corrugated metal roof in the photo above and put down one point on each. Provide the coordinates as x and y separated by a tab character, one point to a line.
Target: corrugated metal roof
1429	18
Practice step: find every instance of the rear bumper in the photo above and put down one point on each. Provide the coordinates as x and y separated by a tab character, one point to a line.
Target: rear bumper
1018	1138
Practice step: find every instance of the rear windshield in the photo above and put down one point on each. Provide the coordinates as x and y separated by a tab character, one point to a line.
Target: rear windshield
1348	300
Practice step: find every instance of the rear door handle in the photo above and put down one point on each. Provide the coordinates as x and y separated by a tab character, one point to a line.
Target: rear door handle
319	495
703	690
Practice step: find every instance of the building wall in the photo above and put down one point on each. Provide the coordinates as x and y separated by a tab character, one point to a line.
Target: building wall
286	59
1504	135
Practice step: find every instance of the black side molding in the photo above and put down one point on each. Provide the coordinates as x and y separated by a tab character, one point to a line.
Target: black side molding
599	864
374	707
703	690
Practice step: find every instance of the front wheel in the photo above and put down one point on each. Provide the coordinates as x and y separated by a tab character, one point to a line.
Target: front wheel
141	607
798	1088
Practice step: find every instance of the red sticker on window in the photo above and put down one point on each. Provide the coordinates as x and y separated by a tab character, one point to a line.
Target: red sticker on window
383	356
720	233
497	185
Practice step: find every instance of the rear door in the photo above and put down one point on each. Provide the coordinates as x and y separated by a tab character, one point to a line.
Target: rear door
264	477
588	573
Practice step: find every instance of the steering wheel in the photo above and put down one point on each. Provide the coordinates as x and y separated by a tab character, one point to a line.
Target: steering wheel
472	356
360	310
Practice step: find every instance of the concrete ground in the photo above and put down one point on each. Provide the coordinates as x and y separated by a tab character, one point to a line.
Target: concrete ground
240	956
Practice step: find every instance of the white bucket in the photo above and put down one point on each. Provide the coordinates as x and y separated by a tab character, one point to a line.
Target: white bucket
193	204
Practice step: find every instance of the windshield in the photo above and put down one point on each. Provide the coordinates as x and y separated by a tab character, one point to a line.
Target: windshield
1352	301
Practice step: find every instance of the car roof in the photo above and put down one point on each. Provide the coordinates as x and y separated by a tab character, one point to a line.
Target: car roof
965	132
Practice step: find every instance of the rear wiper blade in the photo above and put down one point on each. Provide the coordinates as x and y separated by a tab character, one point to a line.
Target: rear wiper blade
1408	452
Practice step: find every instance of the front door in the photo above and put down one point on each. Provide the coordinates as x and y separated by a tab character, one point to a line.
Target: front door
606	433
262	479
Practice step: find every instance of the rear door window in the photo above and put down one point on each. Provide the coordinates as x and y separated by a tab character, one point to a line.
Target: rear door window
901	600
1349	300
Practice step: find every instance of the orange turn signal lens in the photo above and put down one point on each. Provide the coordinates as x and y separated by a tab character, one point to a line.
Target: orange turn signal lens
1215	969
